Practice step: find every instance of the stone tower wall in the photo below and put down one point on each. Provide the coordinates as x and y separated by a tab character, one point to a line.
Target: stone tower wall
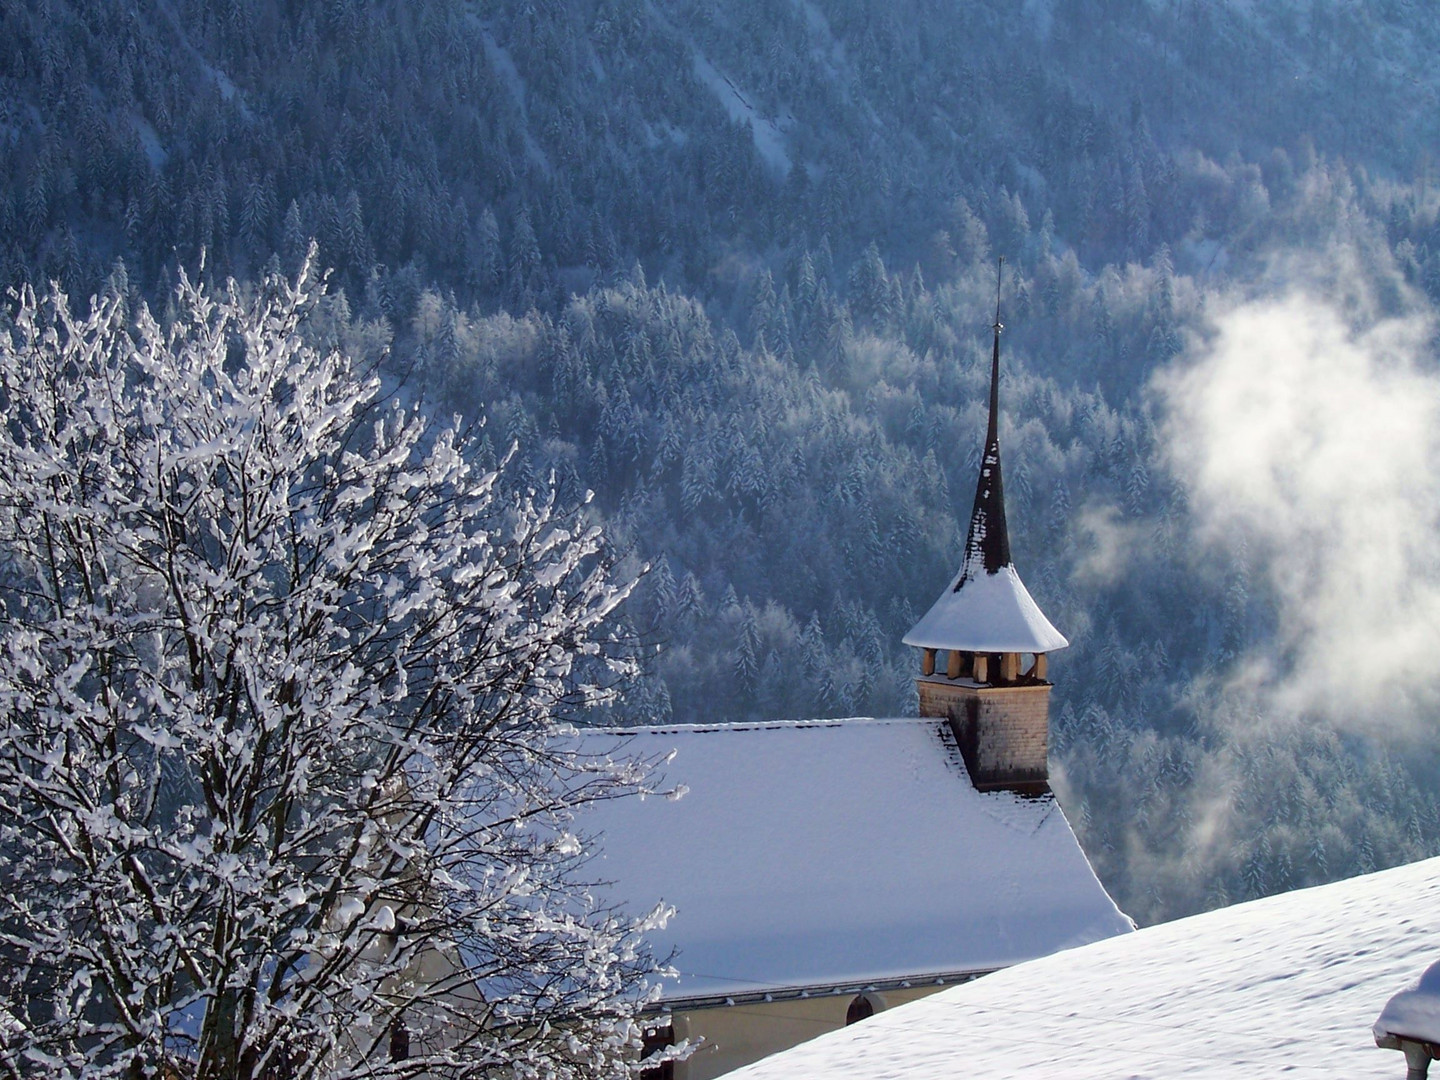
1003	731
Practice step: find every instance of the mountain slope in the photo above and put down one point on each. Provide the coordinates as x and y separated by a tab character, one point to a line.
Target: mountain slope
731	268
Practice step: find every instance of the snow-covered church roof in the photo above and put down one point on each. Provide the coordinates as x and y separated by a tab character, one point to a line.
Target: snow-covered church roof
987	607
839	852
1288	985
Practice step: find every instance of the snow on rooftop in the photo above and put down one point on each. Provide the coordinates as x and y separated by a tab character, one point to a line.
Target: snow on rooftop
816	853
988	613
1286	985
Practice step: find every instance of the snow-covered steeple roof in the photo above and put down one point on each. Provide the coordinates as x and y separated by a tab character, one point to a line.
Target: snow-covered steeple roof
987	608
991	613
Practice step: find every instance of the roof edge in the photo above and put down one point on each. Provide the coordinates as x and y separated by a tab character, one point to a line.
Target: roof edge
825	989
983	644
753	725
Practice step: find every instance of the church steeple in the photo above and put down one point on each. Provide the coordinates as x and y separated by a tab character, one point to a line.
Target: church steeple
987	547
987	624
987	608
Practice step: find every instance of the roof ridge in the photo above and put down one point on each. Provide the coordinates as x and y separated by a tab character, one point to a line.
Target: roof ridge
755	725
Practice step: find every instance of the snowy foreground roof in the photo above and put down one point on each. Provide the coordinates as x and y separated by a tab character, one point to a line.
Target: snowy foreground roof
1287	985
821	853
984	612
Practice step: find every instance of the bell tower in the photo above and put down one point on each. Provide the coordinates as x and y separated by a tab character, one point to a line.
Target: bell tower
983	643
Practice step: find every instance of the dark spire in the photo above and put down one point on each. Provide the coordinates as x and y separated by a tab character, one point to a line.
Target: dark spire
988	544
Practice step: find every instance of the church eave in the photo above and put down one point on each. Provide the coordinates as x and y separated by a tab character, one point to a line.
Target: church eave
680	1003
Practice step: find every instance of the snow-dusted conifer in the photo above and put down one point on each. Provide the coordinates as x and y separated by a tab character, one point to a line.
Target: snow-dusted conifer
284	784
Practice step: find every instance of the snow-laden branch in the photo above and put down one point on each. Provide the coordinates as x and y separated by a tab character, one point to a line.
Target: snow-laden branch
283	777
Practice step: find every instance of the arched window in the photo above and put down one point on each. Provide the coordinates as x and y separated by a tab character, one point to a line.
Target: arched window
861	1008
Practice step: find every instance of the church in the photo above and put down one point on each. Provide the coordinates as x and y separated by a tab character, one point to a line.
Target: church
825	870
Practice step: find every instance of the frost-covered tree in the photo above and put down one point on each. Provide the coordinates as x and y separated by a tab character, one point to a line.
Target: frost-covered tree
285	785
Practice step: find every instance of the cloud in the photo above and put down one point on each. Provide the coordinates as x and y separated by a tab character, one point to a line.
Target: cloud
1108	544
1305	424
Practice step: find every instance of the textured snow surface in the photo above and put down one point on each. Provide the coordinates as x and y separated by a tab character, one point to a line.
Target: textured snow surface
817	853
1289	985
1415	1011
989	613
